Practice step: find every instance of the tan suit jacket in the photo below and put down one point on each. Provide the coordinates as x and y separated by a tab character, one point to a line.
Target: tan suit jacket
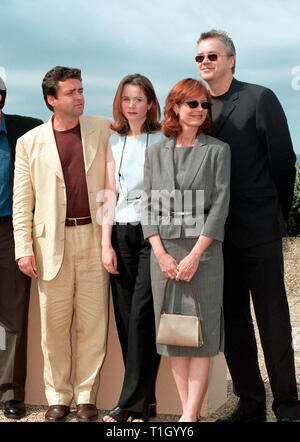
39	201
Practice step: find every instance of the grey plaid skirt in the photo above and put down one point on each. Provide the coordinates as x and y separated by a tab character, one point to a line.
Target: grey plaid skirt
208	282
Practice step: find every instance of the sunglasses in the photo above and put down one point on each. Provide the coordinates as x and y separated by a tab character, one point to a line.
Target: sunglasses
194	103
211	57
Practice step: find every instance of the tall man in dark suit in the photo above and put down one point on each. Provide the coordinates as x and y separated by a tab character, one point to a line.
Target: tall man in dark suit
14	285
251	120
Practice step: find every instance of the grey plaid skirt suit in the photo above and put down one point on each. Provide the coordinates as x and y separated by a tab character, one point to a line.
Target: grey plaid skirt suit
198	179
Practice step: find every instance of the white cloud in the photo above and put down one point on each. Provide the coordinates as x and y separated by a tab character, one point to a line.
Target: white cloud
295	78
3	73
23	78
110	39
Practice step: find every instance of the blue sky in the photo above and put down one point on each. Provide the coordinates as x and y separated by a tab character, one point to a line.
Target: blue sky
157	38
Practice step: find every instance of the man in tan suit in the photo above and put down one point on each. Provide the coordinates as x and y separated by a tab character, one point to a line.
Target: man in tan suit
59	170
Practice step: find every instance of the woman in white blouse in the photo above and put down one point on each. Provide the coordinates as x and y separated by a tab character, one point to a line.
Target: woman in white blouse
125	253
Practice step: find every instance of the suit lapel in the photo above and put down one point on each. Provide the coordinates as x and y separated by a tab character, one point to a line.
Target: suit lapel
89	145
195	160
50	151
89	137
228	106
168	159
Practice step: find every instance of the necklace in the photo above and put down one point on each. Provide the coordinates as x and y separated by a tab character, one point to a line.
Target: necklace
119	172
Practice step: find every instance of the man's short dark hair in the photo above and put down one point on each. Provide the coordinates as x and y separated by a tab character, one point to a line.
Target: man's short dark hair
51	79
3	96
2	93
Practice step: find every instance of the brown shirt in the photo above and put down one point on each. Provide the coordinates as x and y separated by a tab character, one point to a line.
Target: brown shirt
70	151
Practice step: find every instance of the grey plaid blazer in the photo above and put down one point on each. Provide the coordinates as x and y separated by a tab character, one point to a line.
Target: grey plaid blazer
208	171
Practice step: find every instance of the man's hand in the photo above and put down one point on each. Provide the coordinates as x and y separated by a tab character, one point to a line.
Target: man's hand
27	265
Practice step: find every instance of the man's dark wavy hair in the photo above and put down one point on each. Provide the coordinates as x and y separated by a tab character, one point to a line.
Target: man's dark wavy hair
51	79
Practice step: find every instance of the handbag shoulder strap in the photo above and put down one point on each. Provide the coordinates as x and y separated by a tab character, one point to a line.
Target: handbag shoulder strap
197	308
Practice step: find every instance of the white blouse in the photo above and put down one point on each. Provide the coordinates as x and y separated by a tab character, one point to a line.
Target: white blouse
129	184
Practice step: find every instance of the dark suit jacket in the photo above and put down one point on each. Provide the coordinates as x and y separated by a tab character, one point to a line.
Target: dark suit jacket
254	125
16	126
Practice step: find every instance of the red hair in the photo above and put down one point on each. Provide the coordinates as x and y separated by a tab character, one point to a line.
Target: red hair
185	90
152	123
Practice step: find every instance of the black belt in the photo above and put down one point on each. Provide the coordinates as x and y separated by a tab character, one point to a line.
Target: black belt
131	223
78	221
5	219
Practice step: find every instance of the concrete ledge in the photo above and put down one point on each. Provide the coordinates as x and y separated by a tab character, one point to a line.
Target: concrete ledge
111	376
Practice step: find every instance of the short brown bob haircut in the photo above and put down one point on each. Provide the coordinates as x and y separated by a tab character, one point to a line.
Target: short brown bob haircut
152	123
185	90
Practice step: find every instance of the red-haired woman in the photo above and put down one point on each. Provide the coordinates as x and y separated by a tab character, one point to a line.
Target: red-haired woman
125	253
186	231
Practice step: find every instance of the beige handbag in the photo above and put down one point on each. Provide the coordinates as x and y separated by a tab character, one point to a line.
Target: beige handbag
180	330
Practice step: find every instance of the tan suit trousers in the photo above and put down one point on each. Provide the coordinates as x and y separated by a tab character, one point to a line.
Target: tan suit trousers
81	288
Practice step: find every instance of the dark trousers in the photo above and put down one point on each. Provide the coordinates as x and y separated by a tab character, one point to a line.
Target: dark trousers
14	302
133	307
259	270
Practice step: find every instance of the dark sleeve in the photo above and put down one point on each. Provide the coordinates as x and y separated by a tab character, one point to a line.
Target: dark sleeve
27	123
273	128
16	126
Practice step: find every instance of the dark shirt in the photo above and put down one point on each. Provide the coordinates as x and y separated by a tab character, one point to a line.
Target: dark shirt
216	108
5	172
70	151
